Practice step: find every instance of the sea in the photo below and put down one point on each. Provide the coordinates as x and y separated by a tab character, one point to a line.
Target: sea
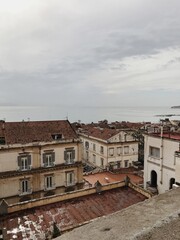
88	114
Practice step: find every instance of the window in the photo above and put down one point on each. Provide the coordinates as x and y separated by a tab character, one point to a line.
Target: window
25	187
94	159
49	182
111	151
57	136
24	162
69	156
126	149
87	145
101	149
70	179
49	159
154	152
119	150
94	147
2	141
118	164
102	162
126	163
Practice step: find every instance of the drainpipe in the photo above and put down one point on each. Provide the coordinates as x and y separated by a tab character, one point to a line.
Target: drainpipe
161	156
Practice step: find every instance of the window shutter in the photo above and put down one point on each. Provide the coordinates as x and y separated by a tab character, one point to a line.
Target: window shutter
44	158
53	157
65	155
29	160
19	161
73	154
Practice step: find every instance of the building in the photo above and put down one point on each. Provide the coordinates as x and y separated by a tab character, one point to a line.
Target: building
38	159
153	219
109	148
162	160
69	211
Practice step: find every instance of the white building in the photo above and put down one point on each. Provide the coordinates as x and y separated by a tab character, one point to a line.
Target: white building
109	148
161	160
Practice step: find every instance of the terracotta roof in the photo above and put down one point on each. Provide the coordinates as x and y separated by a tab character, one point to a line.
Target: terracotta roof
32	223
32	131
101	133
107	177
170	135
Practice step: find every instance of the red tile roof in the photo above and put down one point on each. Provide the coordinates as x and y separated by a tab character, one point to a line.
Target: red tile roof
69	214
28	132
101	133
170	135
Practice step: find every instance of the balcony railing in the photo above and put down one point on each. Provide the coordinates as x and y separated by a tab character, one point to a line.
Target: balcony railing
69	184
48	188
22	193
70	161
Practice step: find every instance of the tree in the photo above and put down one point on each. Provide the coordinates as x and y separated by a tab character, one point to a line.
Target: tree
56	231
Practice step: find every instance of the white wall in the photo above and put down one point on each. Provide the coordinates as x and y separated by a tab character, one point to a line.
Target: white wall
166	160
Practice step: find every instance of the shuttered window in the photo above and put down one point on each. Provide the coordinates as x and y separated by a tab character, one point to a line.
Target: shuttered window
70	179
25	187
49	182
49	159
24	162
69	156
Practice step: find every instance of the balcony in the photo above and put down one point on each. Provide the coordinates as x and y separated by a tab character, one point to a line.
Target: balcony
48	188
28	191
70	161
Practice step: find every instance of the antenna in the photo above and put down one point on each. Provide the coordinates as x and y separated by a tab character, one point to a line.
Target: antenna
67	116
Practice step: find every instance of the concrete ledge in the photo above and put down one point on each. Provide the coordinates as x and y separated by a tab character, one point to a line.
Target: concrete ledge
57	198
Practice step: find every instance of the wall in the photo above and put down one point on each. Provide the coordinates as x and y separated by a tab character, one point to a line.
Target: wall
10	185
61	197
167	160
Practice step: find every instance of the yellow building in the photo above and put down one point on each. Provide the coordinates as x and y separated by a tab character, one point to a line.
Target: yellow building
38	159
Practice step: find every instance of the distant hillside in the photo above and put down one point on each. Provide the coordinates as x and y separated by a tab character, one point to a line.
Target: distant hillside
175	107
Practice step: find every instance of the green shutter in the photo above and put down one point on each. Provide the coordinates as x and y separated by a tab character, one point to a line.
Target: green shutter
73	154
65	155
53	157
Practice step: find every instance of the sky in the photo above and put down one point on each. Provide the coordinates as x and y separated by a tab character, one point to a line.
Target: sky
90	53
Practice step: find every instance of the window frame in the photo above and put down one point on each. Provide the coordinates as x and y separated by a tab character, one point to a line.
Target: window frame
25	187
49	182
69	156
24	162
153	153
70	179
47	162
126	149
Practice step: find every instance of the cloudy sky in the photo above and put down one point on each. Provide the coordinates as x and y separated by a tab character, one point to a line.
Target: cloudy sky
90	52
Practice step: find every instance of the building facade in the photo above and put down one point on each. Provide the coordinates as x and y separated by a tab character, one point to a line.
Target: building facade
109	148
38	159
161	160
